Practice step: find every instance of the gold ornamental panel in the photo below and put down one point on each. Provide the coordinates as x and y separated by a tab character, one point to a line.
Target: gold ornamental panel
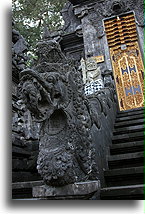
126	60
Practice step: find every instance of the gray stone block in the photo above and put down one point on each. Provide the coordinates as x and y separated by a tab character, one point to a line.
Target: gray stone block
74	190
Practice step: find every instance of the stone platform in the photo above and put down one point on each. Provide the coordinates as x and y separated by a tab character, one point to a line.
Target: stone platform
83	190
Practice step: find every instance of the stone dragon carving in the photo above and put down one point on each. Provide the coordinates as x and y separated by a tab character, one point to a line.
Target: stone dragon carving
19	49
53	92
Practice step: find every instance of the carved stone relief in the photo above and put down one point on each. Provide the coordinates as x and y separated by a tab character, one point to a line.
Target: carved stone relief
19	49
92	77
22	123
53	92
71	22
108	80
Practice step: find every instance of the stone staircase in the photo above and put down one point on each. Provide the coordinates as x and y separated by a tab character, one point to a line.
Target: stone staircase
125	177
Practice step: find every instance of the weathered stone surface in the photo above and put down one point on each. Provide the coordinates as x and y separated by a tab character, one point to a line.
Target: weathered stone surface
72	46
53	92
22	175
123	192
17	141
77	1
23	190
24	159
71	21
126	160
20	152
74	190
24	130
130	113
30	184
130	129
108	79
121	148
126	156
131	122
19	49
76	132
128	137
92	77
22	123
125	177
91	15
129	118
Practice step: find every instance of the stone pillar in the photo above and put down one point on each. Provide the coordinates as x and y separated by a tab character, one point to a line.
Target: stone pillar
95	42
89	36
88	30
140	30
93	49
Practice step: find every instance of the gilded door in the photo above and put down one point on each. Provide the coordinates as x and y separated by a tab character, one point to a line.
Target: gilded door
126	60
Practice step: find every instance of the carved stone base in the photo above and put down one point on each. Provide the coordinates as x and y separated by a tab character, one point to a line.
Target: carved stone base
83	190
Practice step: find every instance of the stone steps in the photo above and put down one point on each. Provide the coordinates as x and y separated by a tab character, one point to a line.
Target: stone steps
128	118
37	190
131	192
129	137
129	129
130	112
24	189
27	199
128	123
124	176
126	160
20	152
129	147
18	176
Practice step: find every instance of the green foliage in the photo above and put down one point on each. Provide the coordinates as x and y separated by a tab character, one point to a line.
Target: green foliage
30	16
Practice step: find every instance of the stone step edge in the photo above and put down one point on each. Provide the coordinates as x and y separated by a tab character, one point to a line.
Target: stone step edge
27	199
124	171
29	184
131	110
131	122
127	136
127	156
129	129
133	117
123	190
129	114
127	144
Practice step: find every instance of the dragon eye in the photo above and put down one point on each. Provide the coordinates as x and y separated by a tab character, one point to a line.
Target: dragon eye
50	79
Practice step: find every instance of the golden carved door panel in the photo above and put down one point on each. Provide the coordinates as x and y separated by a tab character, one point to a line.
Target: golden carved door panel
126	60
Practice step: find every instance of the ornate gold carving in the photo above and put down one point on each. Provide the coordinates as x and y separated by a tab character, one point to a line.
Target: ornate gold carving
126	60
99	58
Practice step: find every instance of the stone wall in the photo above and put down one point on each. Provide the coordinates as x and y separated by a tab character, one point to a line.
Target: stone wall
25	132
104	104
87	22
